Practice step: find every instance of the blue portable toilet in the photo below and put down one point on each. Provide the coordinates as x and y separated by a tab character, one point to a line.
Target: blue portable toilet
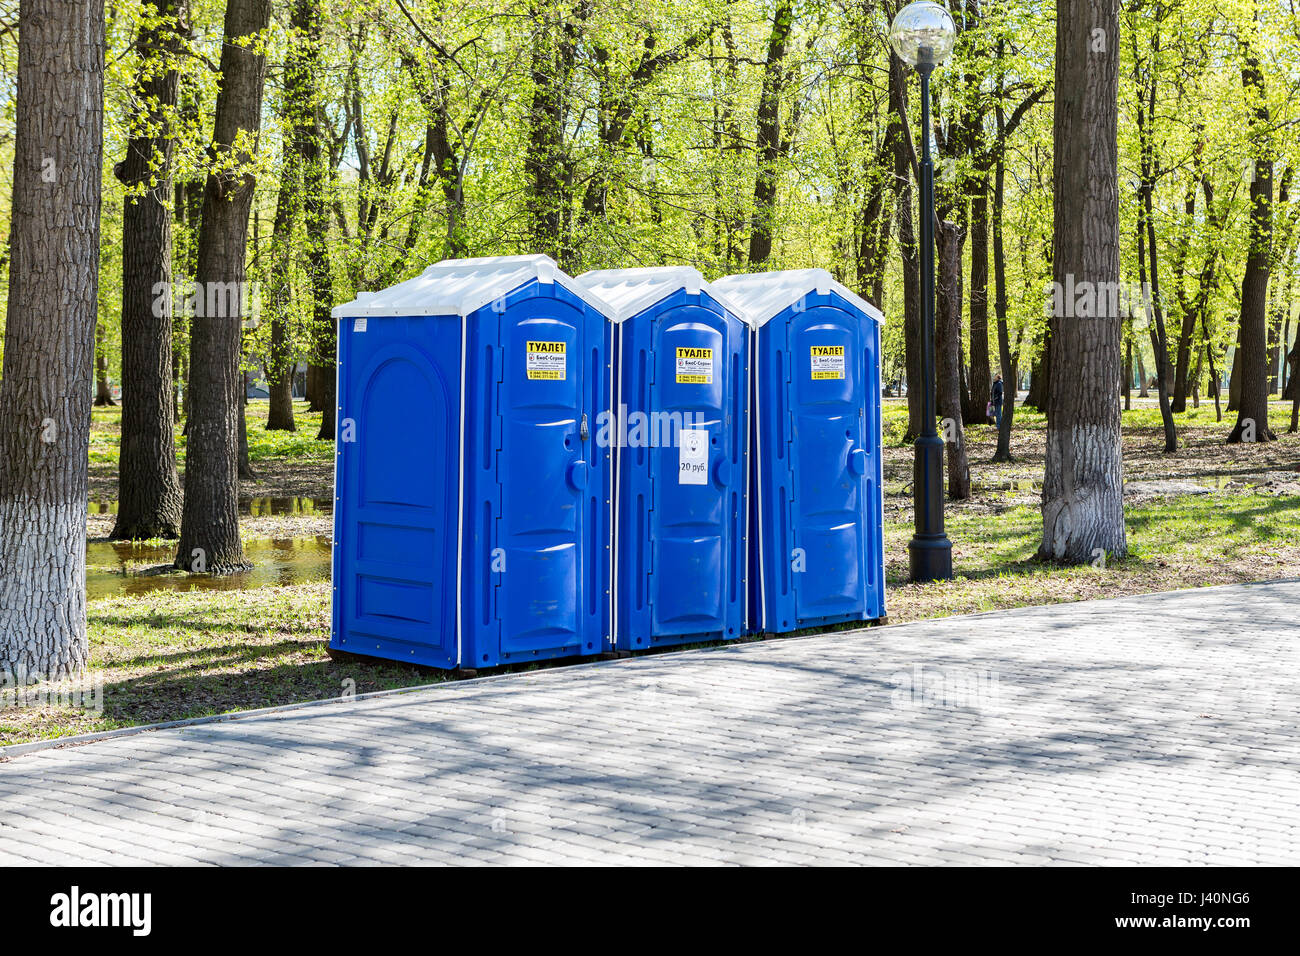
680	432
471	503
818	527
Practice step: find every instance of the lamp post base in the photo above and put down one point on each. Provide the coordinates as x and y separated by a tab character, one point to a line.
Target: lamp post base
930	558
930	551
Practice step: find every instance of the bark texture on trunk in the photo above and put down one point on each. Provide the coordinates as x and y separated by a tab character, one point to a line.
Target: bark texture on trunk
45	400
1144	75
981	380
311	389
210	525
908	249
1187	324
1083	485
1127	388
148	486
1040	374
768	141
103	390
316	179
948	243
548	163
1252	411
1010	362
278	364
1293	388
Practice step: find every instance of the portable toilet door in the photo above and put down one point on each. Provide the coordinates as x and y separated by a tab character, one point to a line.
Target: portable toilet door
470	500
681	434
818	535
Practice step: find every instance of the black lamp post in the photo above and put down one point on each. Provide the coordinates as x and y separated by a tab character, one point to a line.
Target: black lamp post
922	35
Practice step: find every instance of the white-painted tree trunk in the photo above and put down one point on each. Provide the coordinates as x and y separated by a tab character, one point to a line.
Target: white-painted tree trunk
1083	485
49	355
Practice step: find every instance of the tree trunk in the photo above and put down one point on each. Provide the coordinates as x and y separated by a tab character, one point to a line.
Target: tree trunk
1040	375
1252	415
1156	328
1283	252
1234	374
1127	389
548	165
909	252
103	391
1196	379
980	375
1009	362
948	242
1215	384
882	194
299	119
322	290
768	135
1283	378
1187	328
178	370
278	364
49	348
1146	245
328	384
1083	485
210	525
315	186
148	486
1294	387
185	379
311	387
279	412
246	472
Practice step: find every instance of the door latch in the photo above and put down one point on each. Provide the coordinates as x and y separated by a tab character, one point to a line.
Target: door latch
582	430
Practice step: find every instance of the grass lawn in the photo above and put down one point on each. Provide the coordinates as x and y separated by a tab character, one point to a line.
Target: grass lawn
1210	514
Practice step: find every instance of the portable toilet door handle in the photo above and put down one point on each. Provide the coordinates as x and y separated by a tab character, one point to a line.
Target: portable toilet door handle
858	462
577	475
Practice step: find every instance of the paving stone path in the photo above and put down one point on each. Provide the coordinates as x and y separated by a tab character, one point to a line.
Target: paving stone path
1162	729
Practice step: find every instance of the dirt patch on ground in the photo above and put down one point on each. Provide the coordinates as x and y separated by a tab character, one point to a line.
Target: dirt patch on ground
312	478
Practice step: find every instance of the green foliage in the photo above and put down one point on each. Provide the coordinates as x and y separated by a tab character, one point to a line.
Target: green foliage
433	119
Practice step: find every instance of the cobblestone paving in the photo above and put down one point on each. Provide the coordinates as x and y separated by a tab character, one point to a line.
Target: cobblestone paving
1163	729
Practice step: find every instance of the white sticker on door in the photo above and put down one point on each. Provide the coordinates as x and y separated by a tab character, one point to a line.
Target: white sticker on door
694	366
547	360
358	325
693	456
827	361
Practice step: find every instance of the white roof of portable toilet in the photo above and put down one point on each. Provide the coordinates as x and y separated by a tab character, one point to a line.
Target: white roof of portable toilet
630	291
459	287
765	295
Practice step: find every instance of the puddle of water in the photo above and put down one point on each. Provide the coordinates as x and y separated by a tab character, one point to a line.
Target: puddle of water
253	507
113	567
